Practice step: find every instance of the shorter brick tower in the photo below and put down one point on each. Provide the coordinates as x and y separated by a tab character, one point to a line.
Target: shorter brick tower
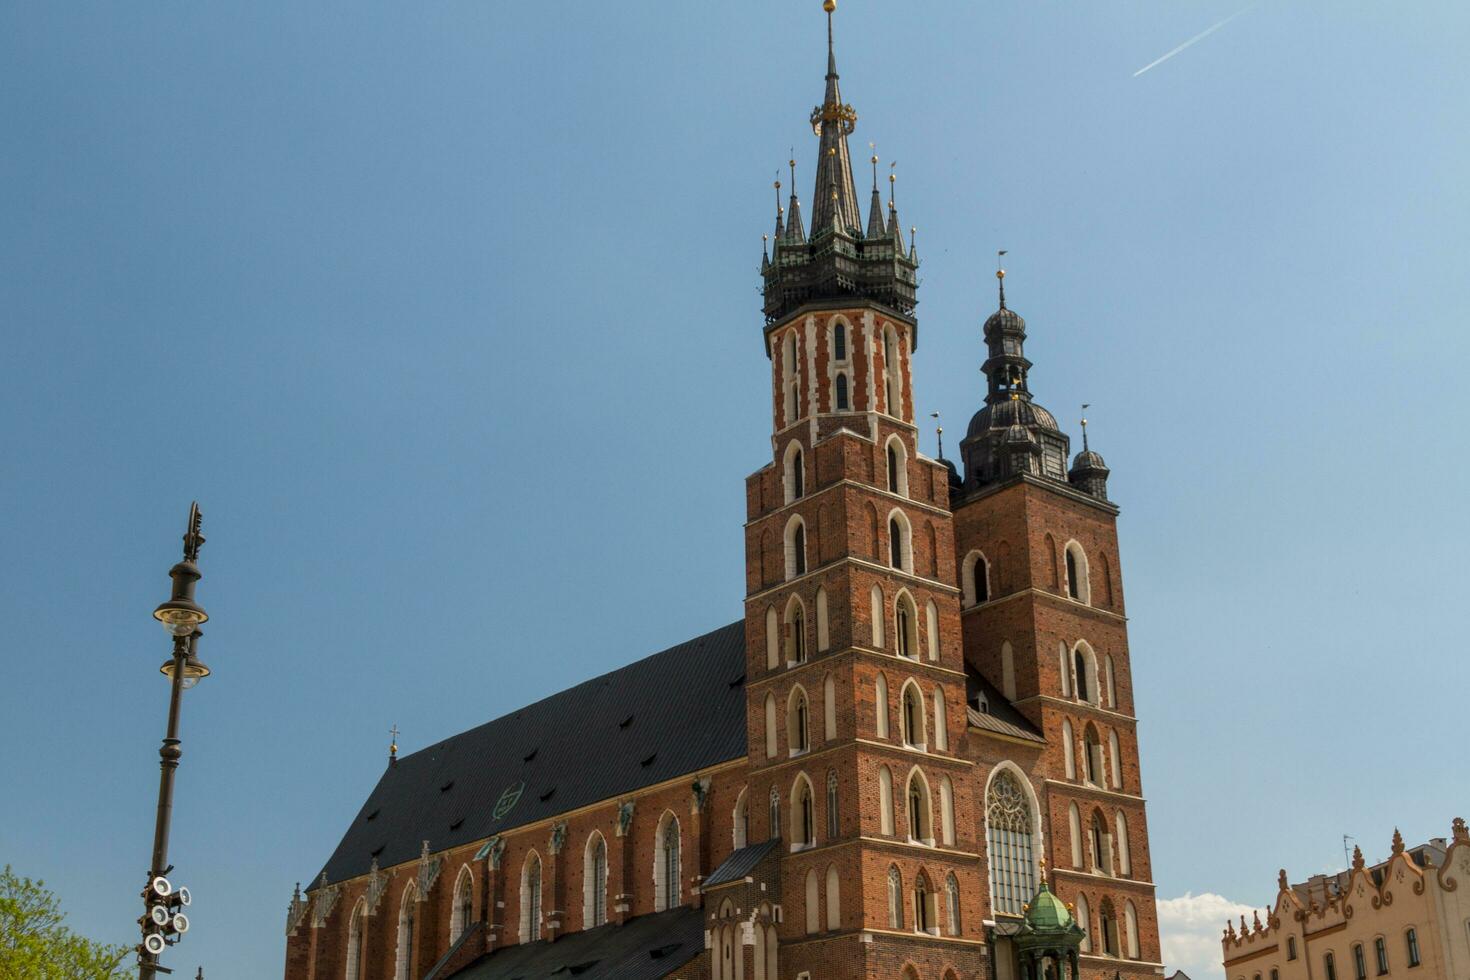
1044	626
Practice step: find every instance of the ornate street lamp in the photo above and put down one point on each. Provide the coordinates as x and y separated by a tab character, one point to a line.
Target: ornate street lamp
163	921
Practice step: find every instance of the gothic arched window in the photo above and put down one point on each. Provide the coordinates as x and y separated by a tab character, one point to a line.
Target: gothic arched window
531	899
914	722
1008	833
895	898
842	397
795	631
666	892
923	897
900	545
594	883
406	929
921	814
952	903
741	821
775	814
803	830
462	913
798	728
798	549
839	342
357	941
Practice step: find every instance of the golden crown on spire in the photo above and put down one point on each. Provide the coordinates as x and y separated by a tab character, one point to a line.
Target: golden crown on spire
829	5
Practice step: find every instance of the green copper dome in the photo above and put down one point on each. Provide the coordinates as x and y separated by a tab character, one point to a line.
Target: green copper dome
1047	913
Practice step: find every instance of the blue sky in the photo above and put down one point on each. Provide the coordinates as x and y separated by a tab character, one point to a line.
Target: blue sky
448	316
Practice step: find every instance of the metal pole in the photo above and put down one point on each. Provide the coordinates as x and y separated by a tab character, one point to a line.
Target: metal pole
169	755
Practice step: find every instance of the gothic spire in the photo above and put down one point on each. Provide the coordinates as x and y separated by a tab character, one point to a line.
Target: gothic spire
795	231
875	209
834	200
838	261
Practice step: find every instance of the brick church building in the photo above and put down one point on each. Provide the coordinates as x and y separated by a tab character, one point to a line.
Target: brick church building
922	723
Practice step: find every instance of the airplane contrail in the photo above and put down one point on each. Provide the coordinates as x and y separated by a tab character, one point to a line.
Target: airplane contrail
1196	39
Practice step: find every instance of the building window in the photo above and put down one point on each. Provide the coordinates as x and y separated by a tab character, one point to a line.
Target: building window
839	342
462	912
952	903
1069	750
880	705
357	941
976	580
923	915
803	828
795	472
842	399
906	626
1008	843
898	466
1084	919
594	883
531	899
1380	954
913	716
892	470
798	732
896	549
1412	939
775	814
1083	682
1093	758
667	874
921	817
832	815
795	631
1077	583
1109	925
813	903
1275	974
895	899
1329	966
1360	962
1291	947
1115	757
406	925
1130	933
1101	859
794	539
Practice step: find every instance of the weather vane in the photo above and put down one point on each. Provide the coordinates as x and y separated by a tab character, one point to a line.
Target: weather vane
192	537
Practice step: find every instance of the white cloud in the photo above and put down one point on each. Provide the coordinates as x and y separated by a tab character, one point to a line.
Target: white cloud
1190	928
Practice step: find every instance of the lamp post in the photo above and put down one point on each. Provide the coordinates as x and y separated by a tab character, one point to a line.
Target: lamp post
162	921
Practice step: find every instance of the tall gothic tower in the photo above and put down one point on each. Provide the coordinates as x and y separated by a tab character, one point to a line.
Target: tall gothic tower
856	676
939	689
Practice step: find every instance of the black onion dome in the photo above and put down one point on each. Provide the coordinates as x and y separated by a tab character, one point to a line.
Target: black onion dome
1007	413
1088	460
1004	318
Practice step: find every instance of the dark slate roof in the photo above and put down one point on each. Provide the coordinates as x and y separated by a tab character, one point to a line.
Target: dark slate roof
672	713
1002	718
740	863
649	947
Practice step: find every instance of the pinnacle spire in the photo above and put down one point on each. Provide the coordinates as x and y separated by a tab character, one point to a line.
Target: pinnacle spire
875	207
794	228
834	201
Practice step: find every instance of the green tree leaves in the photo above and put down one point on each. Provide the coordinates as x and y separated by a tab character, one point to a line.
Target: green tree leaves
35	945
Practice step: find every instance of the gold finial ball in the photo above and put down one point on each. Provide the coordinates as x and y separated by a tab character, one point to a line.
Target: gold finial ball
892	178
829	5
875	158
1000	273
831	151
777	185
